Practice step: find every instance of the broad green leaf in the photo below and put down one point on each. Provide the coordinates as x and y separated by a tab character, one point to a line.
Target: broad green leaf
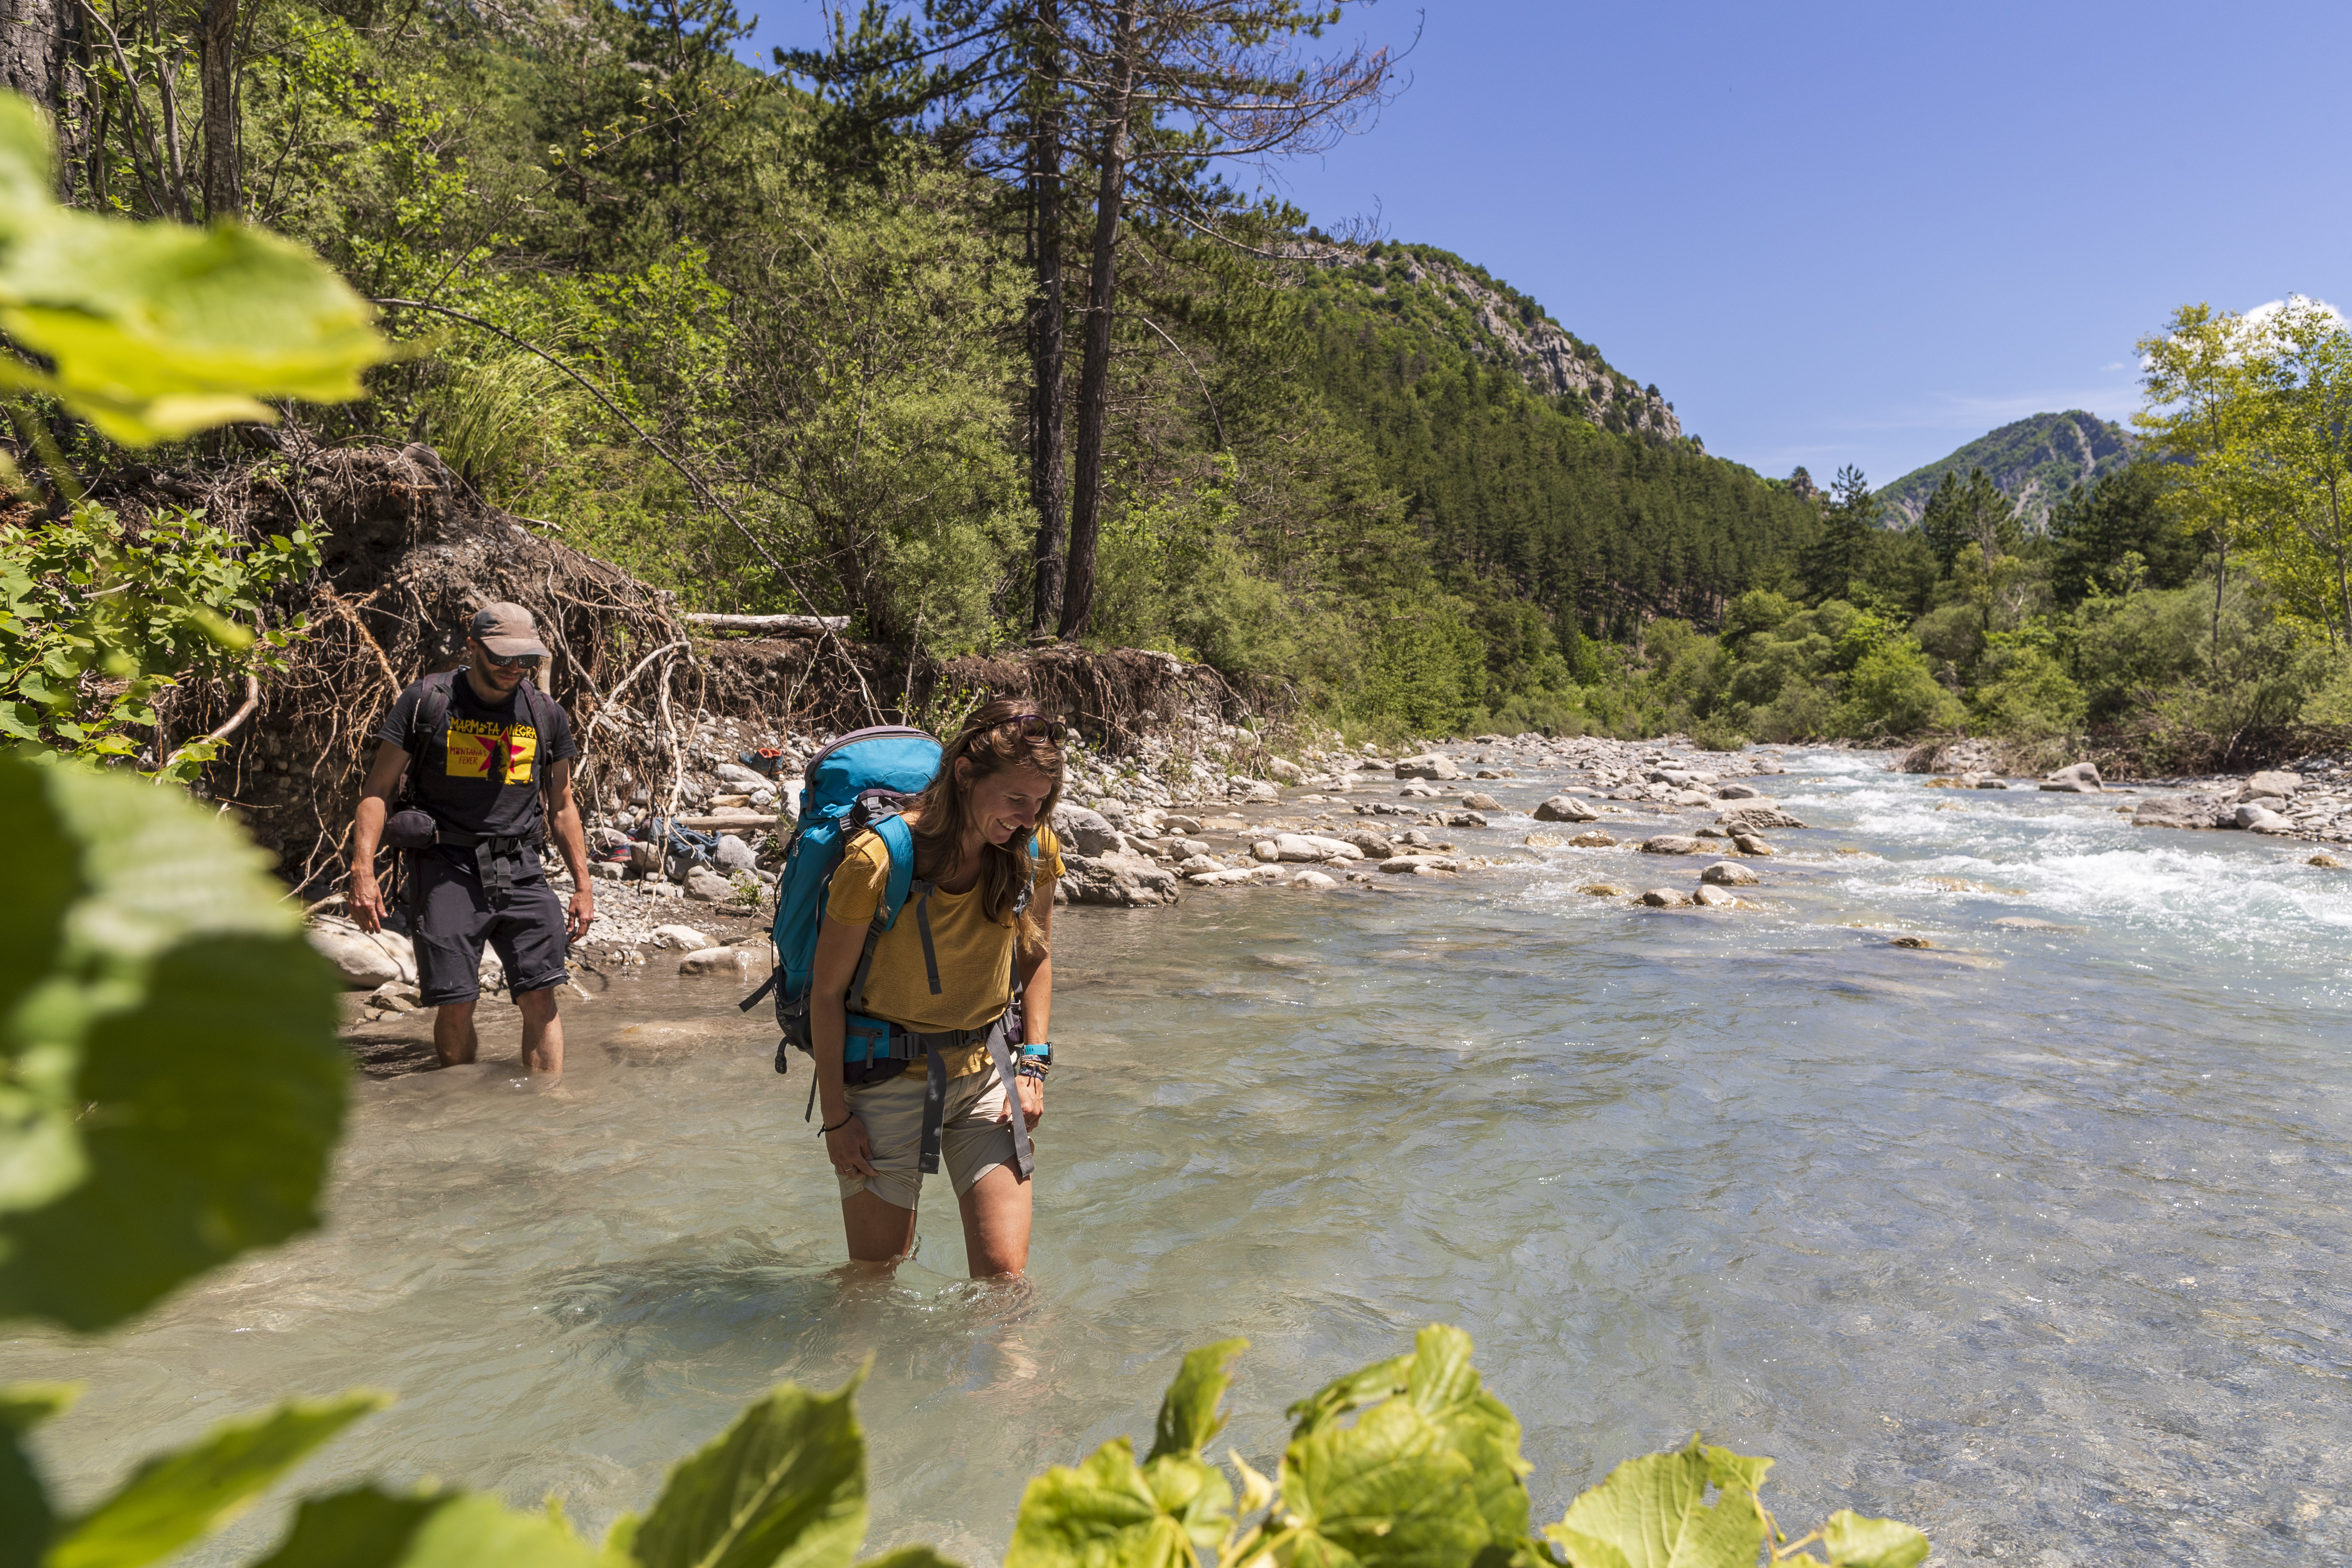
44	881
368	1529
1854	1542
190	1033
1195	1494
1188	1416
1446	1388
25	1513
215	1106
1386	1491
1652	1513
156	330
1101	1513
177	1498
911	1557
784	1486
1340	1395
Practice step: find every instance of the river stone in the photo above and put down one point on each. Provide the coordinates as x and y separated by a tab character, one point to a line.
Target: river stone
367	959
396	996
1604	890
1911	942
2081	778
2279	783
1714	898
2327	862
1266	849
1188	825
1285	770
1414	837
1755	819
1666	899
1724	874
1481	803
715	960
1593	840
1686	798
1428	765
1565	808
1421	792
2256	817
1087	832
686	939
1466	819
1120	879
1374	845
604	870
707	886
1737	792
2175	811
734	855
1405	864
1670	844
1257	790
1749	844
646	856
1313	879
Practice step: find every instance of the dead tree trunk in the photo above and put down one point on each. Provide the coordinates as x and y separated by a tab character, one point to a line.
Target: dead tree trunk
37	48
223	187
1094	370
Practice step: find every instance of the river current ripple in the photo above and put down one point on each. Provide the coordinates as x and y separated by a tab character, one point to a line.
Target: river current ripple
2037	1239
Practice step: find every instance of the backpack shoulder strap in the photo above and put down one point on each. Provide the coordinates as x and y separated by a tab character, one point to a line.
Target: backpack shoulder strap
432	712
899	841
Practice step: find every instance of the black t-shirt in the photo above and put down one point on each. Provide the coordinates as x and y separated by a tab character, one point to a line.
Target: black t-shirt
457	772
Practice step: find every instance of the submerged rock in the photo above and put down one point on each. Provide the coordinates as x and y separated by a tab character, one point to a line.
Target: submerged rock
1666	899
1913	942
1594	839
716	960
1604	890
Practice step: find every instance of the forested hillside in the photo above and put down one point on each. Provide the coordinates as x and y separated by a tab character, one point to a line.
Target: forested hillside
2033	461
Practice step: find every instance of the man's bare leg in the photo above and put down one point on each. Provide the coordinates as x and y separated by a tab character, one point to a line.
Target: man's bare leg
453	1034
542	1034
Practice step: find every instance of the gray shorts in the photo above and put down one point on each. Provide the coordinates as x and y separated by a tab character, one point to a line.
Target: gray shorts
974	1137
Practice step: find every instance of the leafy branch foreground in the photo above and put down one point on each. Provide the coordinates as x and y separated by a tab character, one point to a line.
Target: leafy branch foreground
1427	1474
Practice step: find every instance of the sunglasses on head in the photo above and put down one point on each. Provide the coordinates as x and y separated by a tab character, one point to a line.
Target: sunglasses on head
1037	724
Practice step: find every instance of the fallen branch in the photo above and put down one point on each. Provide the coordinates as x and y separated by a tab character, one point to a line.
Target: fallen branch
787	625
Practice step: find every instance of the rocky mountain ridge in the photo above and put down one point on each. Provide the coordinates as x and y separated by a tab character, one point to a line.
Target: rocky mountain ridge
1495	323
2033	461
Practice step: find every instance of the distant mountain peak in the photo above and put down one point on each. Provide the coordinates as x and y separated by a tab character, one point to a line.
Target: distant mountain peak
1462	302
2033	461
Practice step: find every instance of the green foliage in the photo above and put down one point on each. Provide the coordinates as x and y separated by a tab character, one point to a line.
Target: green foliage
174	1079
784	1486
83	601
1891	691
155	330
178	1497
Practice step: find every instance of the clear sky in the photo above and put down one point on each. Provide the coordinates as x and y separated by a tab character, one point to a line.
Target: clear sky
1857	233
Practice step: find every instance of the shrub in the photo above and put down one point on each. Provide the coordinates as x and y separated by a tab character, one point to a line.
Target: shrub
1892	692
1716	735
1804	711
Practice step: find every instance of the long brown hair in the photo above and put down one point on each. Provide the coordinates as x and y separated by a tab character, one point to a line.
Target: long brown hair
993	740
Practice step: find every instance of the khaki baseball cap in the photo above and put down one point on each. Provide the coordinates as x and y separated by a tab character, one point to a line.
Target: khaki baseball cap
507	630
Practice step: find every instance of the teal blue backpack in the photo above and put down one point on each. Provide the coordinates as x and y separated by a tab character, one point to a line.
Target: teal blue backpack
861	783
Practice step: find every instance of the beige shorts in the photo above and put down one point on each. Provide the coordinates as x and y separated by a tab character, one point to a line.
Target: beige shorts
974	1137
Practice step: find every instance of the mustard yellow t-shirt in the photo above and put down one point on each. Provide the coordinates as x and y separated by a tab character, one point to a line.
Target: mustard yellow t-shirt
974	953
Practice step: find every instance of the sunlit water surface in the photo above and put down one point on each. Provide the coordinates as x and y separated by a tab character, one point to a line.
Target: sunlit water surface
2037	1238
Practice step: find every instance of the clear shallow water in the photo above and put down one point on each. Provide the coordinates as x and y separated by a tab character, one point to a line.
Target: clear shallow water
2037	1239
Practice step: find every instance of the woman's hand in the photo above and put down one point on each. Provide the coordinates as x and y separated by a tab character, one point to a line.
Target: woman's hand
1032	1100
851	1153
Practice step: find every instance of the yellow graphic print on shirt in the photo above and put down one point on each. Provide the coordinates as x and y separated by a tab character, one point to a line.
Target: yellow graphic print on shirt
476	746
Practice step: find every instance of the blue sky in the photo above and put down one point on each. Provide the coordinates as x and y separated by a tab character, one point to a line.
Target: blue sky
1856	233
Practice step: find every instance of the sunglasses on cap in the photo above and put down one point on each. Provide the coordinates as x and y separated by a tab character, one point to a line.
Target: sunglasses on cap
1037	724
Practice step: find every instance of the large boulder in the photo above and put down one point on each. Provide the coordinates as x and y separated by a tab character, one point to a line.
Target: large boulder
366	959
1428	765
1087	832
1755	819
2278	782
2081	778
1120	879
1565	808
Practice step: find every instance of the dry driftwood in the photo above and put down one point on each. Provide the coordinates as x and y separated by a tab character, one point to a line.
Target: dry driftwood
769	625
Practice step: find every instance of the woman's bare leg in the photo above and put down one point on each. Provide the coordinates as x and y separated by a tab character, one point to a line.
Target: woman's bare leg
996	1225
879	1231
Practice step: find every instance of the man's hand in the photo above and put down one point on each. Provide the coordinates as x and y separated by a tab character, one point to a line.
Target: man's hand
367	901
583	911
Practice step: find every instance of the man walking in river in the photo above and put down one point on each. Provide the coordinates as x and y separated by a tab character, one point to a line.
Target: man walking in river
488	758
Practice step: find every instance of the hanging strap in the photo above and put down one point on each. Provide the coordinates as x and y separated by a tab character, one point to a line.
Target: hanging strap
1024	1160
923	925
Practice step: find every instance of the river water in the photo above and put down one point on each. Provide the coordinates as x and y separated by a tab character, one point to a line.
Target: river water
2037	1239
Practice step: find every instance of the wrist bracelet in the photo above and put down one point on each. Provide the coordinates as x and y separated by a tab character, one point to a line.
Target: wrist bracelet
847	1117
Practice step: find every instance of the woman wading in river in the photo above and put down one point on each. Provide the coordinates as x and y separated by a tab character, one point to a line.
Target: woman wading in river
945	971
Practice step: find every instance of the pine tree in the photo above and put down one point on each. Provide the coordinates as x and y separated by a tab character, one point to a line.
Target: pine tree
1848	518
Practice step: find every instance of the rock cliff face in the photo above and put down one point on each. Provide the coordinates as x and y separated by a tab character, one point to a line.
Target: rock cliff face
1422	285
2033	461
